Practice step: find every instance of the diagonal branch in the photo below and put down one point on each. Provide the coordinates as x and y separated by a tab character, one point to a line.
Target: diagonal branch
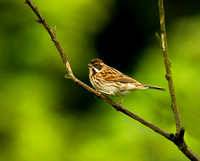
177	139
71	76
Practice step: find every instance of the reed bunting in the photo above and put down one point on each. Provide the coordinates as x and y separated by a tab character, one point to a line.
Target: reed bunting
110	81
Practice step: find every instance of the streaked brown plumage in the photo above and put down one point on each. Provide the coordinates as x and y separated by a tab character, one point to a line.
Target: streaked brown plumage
110	81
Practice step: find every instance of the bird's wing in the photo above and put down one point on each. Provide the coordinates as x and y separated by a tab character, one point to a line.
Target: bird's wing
116	76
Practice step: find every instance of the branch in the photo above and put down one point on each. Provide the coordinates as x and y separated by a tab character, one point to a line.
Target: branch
118	107
168	65
179	136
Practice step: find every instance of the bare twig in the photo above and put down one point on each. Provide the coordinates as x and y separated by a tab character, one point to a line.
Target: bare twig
168	66
118	107
179	136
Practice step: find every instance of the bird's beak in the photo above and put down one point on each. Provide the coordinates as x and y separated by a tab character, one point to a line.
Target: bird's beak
89	65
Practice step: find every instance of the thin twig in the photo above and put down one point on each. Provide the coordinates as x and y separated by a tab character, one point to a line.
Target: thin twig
118	107
179	136
52	35
168	66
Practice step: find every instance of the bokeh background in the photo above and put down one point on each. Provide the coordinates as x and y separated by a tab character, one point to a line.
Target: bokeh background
45	117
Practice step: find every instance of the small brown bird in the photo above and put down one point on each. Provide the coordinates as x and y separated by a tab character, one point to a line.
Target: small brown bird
110	81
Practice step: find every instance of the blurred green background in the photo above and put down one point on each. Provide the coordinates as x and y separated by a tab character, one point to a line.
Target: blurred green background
45	117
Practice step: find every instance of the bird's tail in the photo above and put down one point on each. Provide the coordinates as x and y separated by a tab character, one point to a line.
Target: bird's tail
154	87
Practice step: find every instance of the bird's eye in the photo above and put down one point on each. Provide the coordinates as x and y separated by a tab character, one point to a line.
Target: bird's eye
97	66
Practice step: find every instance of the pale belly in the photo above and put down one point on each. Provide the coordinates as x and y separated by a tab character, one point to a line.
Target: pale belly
116	92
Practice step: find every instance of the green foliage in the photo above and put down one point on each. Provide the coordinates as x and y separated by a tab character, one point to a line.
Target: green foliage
40	118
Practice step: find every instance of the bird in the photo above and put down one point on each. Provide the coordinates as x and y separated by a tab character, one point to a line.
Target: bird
108	80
